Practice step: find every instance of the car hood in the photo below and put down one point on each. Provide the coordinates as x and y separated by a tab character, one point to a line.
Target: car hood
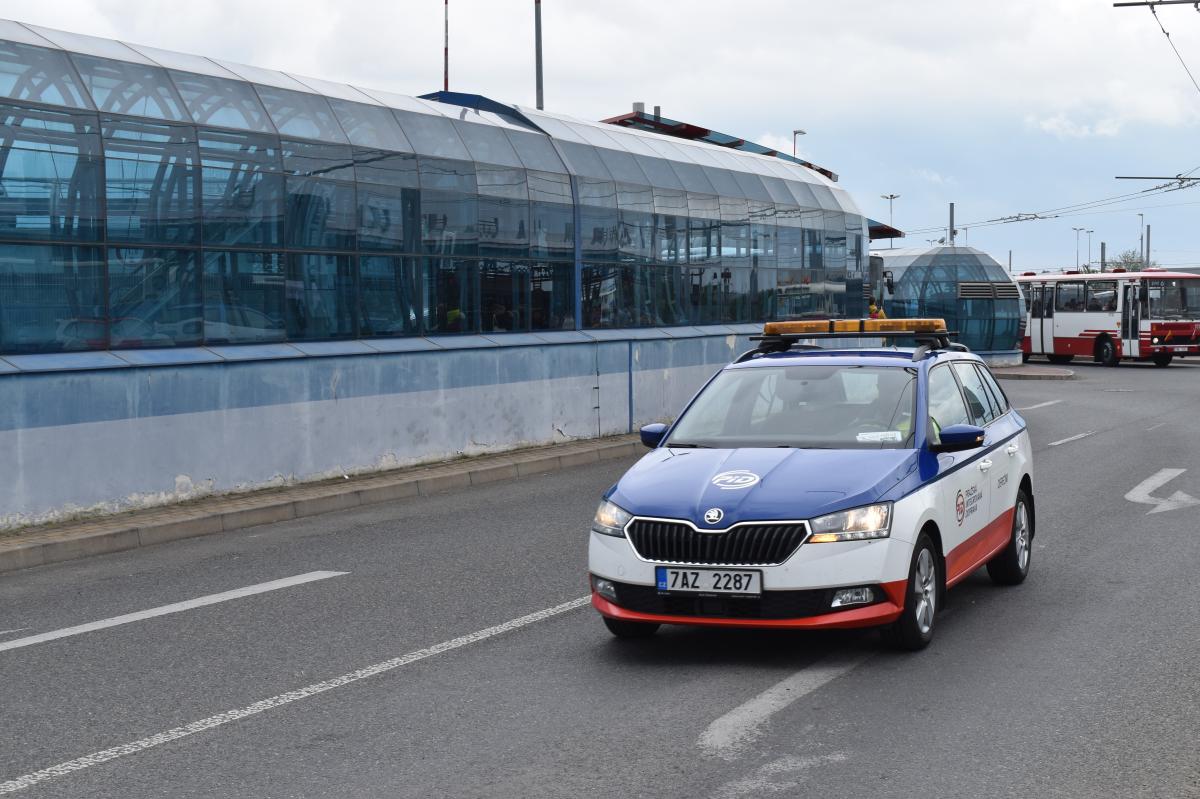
757	484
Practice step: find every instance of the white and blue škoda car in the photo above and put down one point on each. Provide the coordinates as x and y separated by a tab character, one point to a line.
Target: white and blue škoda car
818	488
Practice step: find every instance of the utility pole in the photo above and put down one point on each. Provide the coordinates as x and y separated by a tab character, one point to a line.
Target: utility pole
1077	230
889	198
795	133
952	224
1142	238
1147	264
446	50
1089	263
1103	259
1010	262
537	35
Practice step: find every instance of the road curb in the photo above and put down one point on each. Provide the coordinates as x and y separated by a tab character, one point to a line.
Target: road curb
1041	374
39	546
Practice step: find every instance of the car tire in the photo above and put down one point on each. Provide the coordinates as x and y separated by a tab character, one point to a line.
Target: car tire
1106	352
1163	359
922	600
622	628
1060	359
1011	565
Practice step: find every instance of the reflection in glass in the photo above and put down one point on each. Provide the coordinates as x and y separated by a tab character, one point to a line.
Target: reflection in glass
51	298
300	114
124	88
451	287
320	296
244	297
154	298
221	102
150	182
389	295
320	214
39	74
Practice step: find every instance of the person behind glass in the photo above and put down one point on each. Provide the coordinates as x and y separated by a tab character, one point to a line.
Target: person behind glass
874	311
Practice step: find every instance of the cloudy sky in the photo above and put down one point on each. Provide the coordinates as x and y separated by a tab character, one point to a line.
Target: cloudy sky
1001	107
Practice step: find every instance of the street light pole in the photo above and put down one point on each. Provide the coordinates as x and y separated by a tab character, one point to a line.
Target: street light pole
537	35
795	133
890	198
1089	263
1142	238
1077	230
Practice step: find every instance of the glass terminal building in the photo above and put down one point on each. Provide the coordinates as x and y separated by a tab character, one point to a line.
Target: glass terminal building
966	287
155	199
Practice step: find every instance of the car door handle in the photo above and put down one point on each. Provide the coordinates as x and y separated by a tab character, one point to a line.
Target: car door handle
985	465
1012	449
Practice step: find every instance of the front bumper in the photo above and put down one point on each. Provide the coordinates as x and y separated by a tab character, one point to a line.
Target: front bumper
796	593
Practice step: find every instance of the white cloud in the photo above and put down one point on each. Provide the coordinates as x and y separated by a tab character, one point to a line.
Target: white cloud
934	177
1064	127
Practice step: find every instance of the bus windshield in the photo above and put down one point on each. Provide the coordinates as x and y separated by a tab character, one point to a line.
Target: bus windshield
1174	299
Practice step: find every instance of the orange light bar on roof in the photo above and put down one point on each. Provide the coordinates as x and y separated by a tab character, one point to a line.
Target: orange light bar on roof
858	326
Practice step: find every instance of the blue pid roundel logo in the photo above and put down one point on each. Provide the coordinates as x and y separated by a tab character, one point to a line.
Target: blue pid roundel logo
738	478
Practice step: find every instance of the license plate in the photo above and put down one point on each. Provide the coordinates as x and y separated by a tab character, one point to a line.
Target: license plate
708	581
1182	349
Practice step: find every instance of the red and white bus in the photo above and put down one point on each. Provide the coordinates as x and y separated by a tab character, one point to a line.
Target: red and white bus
1146	316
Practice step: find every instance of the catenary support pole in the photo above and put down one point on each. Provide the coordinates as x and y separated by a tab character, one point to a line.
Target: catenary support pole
1147	245
951	224
537	35
1103	258
446	50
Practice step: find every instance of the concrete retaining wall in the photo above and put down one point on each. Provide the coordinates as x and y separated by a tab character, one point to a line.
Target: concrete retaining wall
106	440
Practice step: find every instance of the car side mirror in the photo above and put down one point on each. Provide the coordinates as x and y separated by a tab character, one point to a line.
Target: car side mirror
887	280
958	437
652	434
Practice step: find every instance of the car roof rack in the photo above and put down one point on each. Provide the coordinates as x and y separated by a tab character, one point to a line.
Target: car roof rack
930	335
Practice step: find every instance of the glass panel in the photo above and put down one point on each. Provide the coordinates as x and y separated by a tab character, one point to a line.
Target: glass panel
154	298
222	102
658	172
389	298
320	214
722	182
16	32
535	151
50	175
263	77
1102	295
658	294
183	62
39	74
622	166
1069	297
553	226
487	144
670	227
978	402
704	228
553	187
244	297
150	182
300	114
334	91
557	128
451	296
124	88
385	168
447	175
751	186
762	233
504	292
320	296
552	298
329	161
692	177
582	159
778	190
636	235
89	45
242	207
735	231
448	223
763	295
503	211
432	135
236	151
51	298
598	219
370	126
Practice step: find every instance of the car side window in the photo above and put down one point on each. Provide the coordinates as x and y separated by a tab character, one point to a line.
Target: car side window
978	400
990	381
945	400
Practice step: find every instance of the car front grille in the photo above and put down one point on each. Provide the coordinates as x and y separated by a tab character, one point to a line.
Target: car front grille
742	545
770	605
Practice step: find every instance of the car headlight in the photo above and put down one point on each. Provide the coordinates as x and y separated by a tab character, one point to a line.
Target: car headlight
857	524
611	519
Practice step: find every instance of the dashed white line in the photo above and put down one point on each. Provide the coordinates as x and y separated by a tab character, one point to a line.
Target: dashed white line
1040	405
726	736
1072	438
1155	427
163	610
17	630
105	755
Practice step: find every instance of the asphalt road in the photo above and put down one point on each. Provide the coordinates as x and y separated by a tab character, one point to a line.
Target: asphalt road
1083	682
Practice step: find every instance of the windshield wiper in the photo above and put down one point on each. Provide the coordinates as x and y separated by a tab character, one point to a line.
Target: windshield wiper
688	445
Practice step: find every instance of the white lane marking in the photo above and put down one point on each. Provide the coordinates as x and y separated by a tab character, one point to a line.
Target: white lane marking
17	630
1072	438
163	610
779	776
1155	427
1142	492
1040	405
726	736
264	705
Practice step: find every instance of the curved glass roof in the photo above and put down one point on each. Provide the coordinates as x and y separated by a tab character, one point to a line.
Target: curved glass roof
91	73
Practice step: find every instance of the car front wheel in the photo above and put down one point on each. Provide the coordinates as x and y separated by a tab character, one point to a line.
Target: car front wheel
922	600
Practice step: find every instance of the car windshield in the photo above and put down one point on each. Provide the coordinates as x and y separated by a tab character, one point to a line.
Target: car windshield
805	406
1174	299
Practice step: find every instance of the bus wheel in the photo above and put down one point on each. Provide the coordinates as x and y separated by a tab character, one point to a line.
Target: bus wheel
1162	359
1106	352
1060	358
